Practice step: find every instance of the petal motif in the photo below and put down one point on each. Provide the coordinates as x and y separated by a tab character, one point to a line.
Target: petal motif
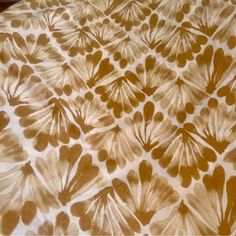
216	125
22	17
209	16
34	49
150	128
151	75
211	69
179	98
16	183
62	225
114	146
153	32
228	91
181	221
90	113
62	77
127	51
181	44
184	155
74	39
176	9
5	47
131	13
105	32
69	175
121	94
34	4
227	33
48	123
83	11
102	214
146	192
207	200
21	86
11	150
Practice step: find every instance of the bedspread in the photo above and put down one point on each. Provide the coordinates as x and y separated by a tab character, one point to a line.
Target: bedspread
118	117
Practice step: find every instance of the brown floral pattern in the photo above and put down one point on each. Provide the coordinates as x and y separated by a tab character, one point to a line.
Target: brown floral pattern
181	221
115	147
154	195
150	128
218	12
183	154
211	69
22	179
48	123
54	170
131	13
222	121
106	208
151	75
205	215
61	226
127	51
118	117
11	149
33	49
21	86
89	113
215	187
79	41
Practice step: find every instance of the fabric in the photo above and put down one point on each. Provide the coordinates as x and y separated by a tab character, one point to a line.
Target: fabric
118	117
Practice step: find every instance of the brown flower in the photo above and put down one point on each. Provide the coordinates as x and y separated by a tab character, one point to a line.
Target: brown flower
11	150
215	202
90	113
131	13
180	44
211	69
127	51
146	193
114	146
34	49
22	192
209	16
62	225
150	128
216	125
151	75
184	155
47	123
102	214
181	221
20	86
70	174
74	39
179	97
121	94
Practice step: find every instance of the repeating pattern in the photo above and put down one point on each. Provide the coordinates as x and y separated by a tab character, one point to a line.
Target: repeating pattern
118	117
